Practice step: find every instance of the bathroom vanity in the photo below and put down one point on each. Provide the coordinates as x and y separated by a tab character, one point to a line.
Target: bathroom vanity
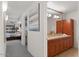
63	39
58	44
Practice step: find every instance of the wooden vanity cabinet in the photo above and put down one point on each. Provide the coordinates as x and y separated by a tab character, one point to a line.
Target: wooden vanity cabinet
56	46
66	27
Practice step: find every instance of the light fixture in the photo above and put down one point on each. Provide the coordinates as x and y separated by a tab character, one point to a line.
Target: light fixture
49	15
4	6
56	16
6	18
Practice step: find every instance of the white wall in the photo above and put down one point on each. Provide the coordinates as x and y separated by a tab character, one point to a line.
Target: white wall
75	15
2	44
23	39
37	41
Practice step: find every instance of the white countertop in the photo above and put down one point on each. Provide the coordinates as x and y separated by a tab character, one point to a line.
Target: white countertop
57	36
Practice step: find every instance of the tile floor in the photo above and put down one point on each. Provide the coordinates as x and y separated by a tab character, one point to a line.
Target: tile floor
15	49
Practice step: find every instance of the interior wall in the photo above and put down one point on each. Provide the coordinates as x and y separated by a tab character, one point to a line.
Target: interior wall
23	33
78	27
2	39
75	15
37	41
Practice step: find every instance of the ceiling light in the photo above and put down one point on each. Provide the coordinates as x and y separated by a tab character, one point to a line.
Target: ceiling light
4	6
6	18
49	15
56	16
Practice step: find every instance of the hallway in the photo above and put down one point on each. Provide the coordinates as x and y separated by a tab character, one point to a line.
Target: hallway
15	49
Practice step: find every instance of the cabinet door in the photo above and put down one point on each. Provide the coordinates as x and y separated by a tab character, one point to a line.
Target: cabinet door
65	43
59	26
51	48
57	45
67	27
69	42
61	45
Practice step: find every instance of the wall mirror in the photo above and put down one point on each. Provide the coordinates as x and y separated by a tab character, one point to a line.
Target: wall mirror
52	17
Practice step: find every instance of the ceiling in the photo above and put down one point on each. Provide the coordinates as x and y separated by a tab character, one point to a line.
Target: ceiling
17	8
63	6
0	8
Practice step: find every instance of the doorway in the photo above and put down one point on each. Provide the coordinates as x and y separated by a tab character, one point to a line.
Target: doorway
26	33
